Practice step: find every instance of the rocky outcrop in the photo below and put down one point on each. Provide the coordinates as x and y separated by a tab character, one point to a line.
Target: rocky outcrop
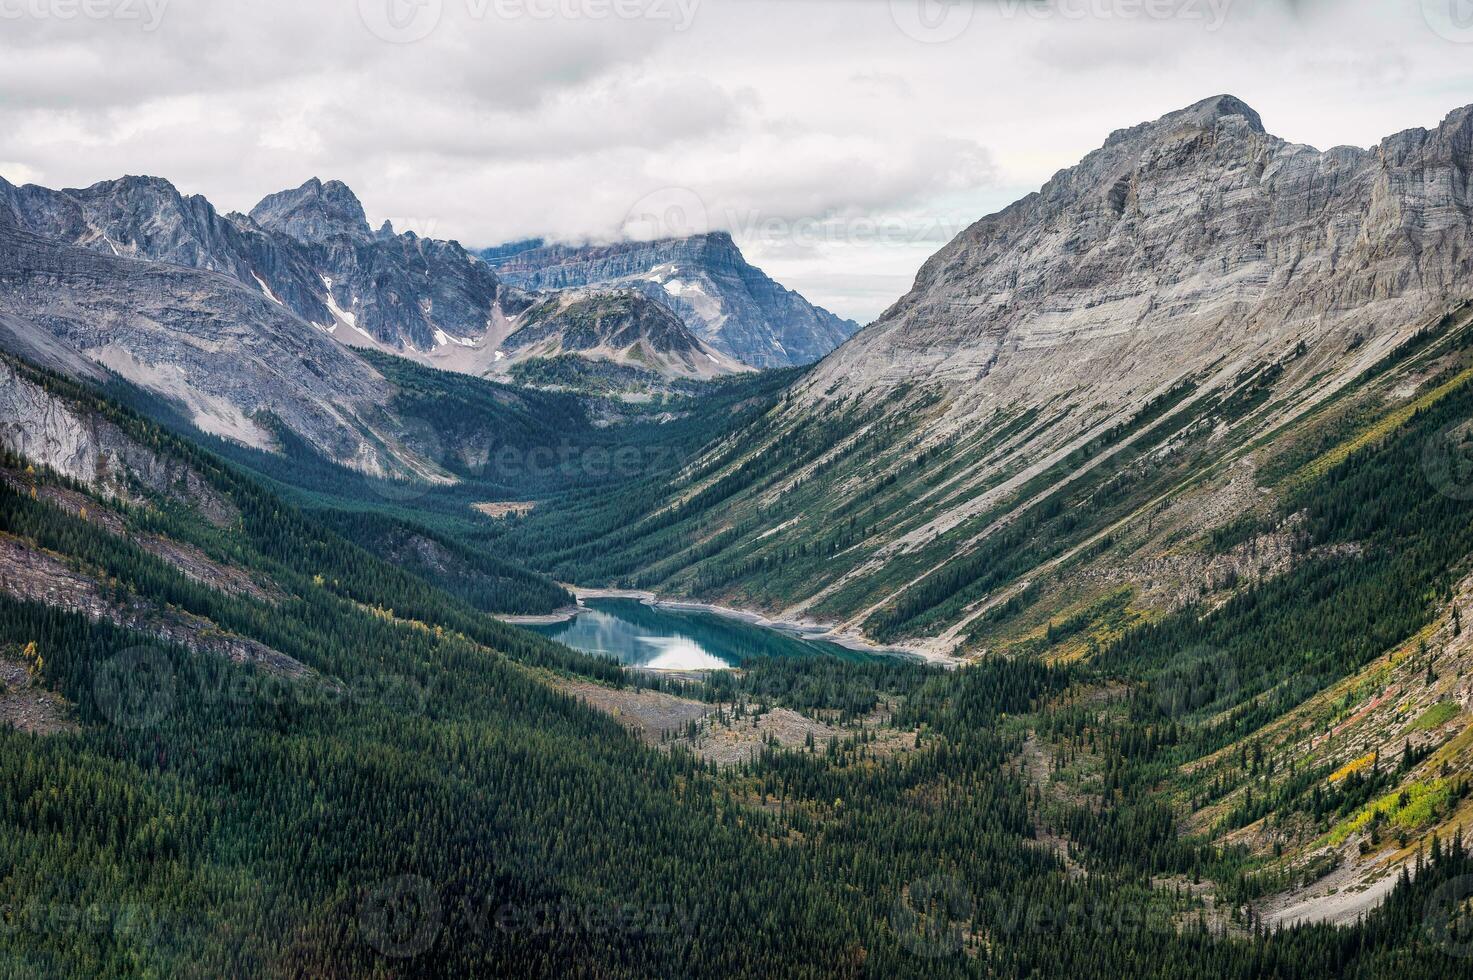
723	299
314	213
52	432
148	218
33	575
622	327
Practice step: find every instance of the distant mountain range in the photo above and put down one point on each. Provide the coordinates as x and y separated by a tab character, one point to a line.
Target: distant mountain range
246	321
727	302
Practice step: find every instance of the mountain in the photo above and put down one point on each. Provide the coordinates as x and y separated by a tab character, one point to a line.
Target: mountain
309	249
179	644
233	360
1189	286
621	327
726	301
147	218
1179	242
250	321
314	213
396	291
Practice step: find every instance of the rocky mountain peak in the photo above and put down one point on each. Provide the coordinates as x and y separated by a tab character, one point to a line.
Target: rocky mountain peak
1219	112
718	240
1209	111
132	184
1181	242
1453	138
704	279
314	212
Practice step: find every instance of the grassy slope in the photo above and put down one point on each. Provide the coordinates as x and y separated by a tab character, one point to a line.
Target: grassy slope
1323	727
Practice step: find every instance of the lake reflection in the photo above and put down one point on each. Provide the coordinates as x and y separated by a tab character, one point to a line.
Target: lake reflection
664	639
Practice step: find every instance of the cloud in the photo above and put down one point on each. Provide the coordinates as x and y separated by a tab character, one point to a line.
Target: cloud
629	110
839	148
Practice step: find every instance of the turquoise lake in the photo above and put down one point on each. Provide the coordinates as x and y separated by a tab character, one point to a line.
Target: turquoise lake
667	639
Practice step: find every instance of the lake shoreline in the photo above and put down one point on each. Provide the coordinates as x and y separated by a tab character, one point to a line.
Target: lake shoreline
561	615
803	630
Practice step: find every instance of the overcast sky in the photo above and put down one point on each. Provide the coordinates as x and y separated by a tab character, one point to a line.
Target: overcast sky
840	141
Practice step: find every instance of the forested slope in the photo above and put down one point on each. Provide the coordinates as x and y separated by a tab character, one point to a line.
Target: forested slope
385	781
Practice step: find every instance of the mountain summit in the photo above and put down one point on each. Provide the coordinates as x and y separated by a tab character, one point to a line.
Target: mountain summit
314	213
1193	239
